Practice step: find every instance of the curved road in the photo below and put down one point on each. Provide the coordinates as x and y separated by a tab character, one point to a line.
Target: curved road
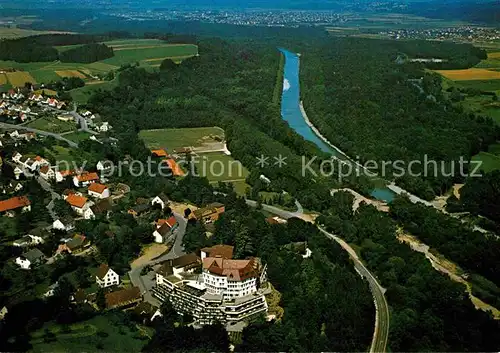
382	318
41	132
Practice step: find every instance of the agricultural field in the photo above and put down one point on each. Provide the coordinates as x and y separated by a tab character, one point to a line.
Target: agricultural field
201	139
52	124
3	79
70	73
19	78
149	53
470	74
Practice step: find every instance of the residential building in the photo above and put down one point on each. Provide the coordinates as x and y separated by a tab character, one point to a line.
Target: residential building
174	167
106	277
164	229
99	191
140	209
47	173
228	291
8	207
28	240
74	245
79	204
161	200
101	208
209	214
159	153
103	165
31	258
85	179
123	298
64	224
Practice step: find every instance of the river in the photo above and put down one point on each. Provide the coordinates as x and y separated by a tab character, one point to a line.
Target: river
292	114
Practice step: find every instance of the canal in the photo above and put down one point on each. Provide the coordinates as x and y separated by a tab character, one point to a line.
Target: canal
292	114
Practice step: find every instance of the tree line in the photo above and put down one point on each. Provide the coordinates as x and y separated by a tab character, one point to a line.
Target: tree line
379	110
40	48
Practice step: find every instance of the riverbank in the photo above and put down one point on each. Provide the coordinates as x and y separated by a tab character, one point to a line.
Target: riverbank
445	266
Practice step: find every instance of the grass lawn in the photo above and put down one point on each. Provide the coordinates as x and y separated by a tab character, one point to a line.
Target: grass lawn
483	105
77	136
103	333
219	167
52	124
61	153
489	161
171	139
483	85
82	95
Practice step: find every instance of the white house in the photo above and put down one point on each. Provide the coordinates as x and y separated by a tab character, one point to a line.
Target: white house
85	179
64	224
79	204
28	240
161	200
99	191
88	213
106	277
16	157
47	173
164	229
32	257
18	172
103	165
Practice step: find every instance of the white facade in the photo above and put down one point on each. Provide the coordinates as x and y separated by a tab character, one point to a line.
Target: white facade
158	201
104	195
88	213
23	263
110	279
59	225
229	289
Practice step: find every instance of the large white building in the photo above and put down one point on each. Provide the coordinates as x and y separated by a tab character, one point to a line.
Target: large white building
228	291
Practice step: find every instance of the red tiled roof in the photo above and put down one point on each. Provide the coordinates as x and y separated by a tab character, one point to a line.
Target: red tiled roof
176	170
76	201
88	177
102	271
159	153
99	188
123	297
234	270
170	222
44	169
224	251
13	203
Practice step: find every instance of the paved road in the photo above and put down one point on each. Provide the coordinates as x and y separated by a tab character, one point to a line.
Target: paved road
146	282
55	196
41	132
382	318
83	123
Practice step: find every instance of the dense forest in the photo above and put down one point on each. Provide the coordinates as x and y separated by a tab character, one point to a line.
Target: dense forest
371	106
317	285
231	85
429	312
87	53
470	249
41	48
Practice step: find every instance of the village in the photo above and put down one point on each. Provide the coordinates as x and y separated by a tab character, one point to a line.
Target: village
75	199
